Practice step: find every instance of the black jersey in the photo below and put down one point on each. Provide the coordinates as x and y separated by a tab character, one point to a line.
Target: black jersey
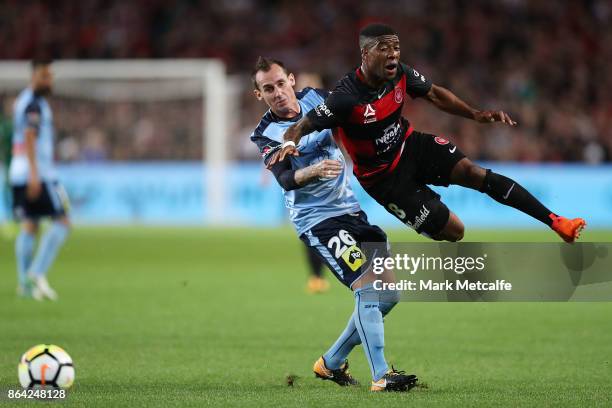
370	123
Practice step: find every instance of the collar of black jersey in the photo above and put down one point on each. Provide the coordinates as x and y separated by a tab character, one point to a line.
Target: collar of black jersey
376	91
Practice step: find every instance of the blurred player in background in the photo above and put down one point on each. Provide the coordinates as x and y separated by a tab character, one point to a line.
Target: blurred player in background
36	191
395	163
328	219
316	282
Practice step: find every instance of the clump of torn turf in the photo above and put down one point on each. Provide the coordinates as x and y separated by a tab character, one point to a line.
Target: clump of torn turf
291	379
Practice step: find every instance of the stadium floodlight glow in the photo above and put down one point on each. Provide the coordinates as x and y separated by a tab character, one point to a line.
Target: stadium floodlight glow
179	78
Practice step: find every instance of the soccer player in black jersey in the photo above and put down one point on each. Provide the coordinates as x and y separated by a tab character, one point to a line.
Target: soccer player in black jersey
393	162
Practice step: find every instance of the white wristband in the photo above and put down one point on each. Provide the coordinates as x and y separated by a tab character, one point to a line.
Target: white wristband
288	143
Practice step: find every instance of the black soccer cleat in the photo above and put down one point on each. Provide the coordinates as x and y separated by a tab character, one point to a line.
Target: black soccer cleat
341	376
395	380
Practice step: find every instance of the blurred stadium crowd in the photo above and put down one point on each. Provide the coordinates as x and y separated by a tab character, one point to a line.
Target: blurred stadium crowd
546	63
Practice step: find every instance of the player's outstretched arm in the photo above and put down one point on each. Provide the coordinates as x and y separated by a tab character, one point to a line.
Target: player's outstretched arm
291	179
291	138
324	169
447	101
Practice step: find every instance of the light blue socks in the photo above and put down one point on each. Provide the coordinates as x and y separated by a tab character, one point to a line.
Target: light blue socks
24	248
364	327
340	350
48	248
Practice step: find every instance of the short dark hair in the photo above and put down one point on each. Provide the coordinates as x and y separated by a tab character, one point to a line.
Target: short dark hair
40	62
372	31
265	64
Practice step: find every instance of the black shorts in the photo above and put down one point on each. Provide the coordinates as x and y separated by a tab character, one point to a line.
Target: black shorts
52	202
339	242
426	159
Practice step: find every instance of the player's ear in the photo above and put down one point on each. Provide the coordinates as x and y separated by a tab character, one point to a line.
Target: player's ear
257	93
364	53
291	79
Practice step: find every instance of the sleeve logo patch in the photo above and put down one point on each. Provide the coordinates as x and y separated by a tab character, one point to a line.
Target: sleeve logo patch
323	110
416	74
268	150
441	141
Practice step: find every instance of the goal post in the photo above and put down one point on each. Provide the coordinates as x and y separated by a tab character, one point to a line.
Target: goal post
183	78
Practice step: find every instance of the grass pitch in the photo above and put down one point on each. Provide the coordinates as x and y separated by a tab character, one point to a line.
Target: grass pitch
193	317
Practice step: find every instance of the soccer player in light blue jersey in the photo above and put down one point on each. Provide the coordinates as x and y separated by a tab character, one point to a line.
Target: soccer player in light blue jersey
328	219
36	191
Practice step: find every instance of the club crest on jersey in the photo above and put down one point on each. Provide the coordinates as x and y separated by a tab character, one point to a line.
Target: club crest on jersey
399	95
441	141
369	115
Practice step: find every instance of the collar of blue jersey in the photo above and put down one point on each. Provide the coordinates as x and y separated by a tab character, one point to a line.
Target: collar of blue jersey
277	118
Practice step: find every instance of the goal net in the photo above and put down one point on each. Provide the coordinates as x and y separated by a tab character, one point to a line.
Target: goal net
139	111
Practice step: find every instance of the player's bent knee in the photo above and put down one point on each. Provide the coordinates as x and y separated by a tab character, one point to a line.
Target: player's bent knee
31	227
453	230
435	219
475	175
468	174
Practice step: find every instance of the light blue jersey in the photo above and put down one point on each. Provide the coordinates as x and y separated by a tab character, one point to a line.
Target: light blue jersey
31	111
319	200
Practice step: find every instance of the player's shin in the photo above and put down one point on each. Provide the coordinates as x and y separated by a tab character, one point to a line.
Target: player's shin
339	351
369	323
507	191
24	248
49	246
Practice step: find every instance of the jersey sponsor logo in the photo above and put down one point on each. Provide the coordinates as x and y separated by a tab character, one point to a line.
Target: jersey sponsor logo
441	141
344	247
452	149
419	219
323	110
369	115
353	257
399	95
389	138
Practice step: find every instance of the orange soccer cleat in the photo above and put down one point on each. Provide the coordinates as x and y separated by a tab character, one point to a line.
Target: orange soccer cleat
341	376
317	285
568	230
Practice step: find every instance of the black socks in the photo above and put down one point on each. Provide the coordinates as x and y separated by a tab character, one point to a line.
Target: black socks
508	192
